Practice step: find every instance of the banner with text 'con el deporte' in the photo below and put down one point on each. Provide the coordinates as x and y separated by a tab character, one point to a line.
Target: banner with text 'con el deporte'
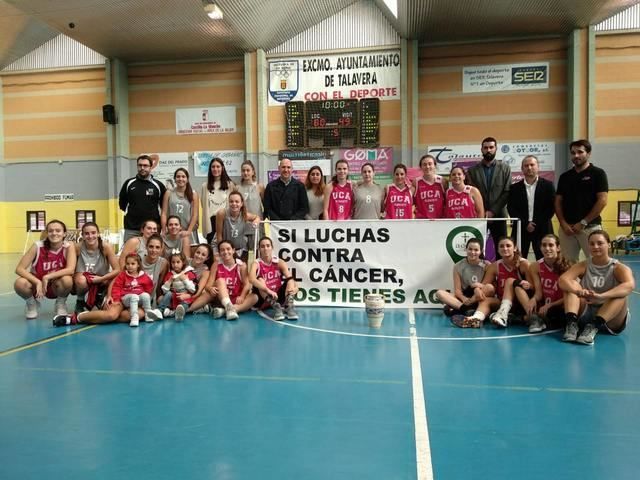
338	263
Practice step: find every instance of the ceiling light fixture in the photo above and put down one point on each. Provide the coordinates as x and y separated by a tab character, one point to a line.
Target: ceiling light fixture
212	9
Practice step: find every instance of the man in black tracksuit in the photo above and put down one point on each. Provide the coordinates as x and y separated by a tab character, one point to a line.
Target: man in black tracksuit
141	198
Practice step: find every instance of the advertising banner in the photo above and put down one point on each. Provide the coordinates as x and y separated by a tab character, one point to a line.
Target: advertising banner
330	77
512	153
167	165
518	76
232	160
338	263
201	120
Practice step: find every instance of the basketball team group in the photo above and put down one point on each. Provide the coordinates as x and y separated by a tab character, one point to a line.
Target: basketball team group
165	268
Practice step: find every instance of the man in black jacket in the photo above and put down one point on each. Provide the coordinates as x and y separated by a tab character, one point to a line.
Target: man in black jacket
285	198
141	198
532	201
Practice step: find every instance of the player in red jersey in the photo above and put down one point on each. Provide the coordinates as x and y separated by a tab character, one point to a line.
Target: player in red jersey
46	270
272	282
546	306
338	195
398	197
429	190
499	281
462	201
232	284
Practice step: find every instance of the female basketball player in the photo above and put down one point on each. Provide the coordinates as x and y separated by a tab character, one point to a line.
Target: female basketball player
235	224
182	202
595	293
467	278
252	191
398	197
46	271
498	284
272	282
338	195
173	240
138	244
462	201
429	190
367	199
546	305
97	265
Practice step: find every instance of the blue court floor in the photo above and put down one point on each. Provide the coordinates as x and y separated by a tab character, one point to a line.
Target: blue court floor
321	398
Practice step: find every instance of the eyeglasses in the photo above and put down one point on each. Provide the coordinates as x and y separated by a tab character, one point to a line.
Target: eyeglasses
143	166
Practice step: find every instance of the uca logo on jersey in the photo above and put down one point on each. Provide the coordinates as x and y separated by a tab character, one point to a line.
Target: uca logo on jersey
457	241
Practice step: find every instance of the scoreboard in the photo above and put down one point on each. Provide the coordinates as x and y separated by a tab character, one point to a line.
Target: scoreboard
333	123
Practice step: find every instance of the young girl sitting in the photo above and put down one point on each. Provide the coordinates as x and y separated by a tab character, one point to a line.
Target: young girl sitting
178	280
234	290
132	287
467	286
273	282
546	306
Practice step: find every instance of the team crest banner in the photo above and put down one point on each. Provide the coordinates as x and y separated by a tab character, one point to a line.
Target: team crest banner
338	263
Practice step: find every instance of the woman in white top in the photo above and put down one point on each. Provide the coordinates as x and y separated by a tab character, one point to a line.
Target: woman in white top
314	183
213	196
182	202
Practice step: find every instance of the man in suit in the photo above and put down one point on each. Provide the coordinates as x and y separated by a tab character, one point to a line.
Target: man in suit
532	201
493	179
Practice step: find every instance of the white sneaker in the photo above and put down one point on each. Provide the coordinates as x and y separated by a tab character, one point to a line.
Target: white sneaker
499	319
60	307
152	314
230	312
135	321
168	313
180	313
217	312
31	308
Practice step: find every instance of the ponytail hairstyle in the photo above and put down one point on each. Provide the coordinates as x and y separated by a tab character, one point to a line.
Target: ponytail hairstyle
209	261
517	256
478	242
177	218
250	163
561	264
231	245
188	191
46	242
243	208
334	179
94	225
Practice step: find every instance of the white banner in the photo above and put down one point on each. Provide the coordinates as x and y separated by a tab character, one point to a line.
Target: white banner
511	153
232	160
195	121
324	77
338	263
167	164
518	76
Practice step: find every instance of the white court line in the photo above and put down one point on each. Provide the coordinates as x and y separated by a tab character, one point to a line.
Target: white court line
7	293
402	337
423	448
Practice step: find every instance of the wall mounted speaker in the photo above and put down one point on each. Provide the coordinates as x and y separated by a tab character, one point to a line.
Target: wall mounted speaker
109	114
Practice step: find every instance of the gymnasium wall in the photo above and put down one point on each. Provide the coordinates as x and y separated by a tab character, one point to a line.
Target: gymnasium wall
446	115
54	142
155	91
617	108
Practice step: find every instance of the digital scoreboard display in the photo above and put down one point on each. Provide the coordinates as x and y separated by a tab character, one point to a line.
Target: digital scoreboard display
333	123
369	122
294	112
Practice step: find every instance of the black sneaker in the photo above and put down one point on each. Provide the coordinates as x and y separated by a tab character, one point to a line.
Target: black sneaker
81	306
64	320
449	311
